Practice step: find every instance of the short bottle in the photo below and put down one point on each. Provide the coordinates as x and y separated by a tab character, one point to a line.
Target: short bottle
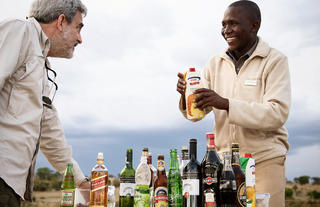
248	165
143	179
99	183
211	168
67	187
228	186
161	184
240	176
127	183
174	181
191	178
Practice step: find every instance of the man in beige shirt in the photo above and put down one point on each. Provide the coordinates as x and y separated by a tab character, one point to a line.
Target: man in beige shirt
28	118
248	89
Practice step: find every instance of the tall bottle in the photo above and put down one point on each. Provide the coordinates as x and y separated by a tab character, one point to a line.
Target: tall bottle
143	179
191	179
174	181
240	176
211	168
228	187
127	183
161	184
184	158
99	183
153	171
67	187
248	164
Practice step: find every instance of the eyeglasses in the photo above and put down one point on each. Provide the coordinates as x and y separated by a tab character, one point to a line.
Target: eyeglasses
51	74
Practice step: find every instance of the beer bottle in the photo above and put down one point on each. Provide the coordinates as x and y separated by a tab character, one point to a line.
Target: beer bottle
127	183
67	187
161	184
174	181
211	168
191	179
153	171
240	176
99	183
184	158
143	179
228	187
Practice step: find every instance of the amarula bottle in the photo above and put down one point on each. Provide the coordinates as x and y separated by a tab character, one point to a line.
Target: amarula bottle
153	171
67	187
143	178
127	183
191	178
211	168
228	187
99	183
240	176
161	184
174	181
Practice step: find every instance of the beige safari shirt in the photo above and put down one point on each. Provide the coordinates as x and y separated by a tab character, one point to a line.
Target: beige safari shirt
259	102
24	121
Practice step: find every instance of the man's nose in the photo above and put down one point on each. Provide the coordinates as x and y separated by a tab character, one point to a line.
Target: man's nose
227	29
79	39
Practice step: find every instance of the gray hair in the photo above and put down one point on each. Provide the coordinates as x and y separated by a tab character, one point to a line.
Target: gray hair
47	11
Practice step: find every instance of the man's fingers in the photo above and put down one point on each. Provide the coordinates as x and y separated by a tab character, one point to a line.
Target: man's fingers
180	75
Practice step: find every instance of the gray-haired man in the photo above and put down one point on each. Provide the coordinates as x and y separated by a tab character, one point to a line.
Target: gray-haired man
28	119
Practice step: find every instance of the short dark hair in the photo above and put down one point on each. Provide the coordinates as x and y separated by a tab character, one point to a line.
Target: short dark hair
251	7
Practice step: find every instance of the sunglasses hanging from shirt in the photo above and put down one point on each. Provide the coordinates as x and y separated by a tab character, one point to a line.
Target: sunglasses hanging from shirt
47	100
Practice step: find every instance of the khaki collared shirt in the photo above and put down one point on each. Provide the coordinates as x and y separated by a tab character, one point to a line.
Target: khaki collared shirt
259	102
25	123
238	63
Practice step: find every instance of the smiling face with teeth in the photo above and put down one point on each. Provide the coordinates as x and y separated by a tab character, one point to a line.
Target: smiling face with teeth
239	29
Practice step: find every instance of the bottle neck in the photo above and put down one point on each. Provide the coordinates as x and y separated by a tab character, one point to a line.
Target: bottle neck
193	151
227	163
235	157
129	159
173	160
185	155
149	160
100	161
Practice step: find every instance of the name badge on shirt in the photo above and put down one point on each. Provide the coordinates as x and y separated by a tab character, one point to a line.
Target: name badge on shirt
250	82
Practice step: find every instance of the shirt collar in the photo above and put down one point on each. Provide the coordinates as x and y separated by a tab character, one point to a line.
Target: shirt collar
43	39
247	54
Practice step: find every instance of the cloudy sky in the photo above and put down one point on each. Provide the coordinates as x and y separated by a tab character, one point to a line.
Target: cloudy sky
119	90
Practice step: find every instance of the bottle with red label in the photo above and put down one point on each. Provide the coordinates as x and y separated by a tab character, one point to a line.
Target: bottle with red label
191	185
99	183
211	169
161	184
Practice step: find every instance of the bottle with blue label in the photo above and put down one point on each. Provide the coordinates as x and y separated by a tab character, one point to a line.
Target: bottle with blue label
193	82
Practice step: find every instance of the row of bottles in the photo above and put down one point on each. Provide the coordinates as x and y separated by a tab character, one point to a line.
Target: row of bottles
188	182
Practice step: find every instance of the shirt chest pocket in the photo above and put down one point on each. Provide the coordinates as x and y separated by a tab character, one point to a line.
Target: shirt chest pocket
27	87
251	90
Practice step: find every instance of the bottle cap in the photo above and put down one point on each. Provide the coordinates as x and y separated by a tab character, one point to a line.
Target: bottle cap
145	149
100	155
248	155
193	140
184	148
192	70
210	135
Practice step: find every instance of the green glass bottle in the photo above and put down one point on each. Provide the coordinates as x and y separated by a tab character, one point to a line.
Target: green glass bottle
127	183
67	187
174	181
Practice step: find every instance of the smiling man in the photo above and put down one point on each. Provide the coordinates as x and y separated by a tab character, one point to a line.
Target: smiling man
28	118
248	89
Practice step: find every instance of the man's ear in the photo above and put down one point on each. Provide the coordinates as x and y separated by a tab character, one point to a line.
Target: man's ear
255	27
61	22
